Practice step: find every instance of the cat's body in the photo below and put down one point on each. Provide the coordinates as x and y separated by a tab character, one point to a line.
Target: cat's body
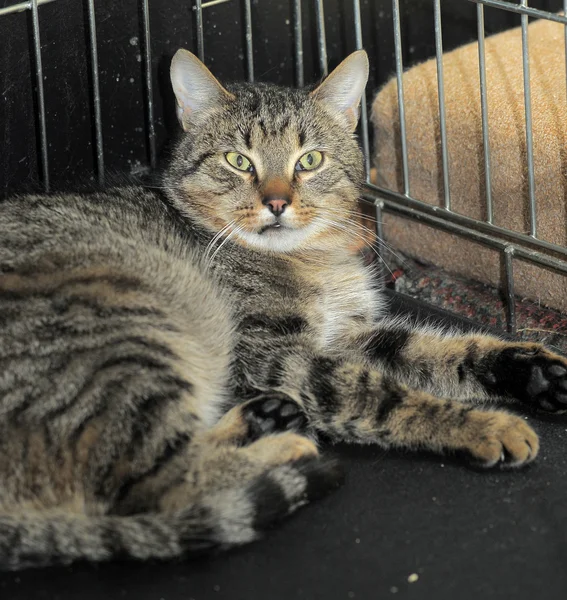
168	356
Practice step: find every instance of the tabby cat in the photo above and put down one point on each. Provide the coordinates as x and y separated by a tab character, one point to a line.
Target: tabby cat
170	355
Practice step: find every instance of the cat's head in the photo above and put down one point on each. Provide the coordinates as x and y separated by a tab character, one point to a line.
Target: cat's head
274	168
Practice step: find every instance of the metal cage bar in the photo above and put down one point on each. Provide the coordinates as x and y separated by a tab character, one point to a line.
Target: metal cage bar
248	38
565	39
379	213
399	81
441	94
96	94
149	83
528	114
298	44
363	109
199	25
484	113
40	96
321	38
508	255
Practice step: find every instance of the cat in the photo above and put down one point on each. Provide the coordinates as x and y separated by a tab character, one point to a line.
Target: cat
171	354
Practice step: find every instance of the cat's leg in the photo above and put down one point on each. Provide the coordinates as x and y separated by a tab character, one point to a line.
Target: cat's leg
471	367
351	401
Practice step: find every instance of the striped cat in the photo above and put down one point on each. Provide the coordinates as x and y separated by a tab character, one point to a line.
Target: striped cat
170	355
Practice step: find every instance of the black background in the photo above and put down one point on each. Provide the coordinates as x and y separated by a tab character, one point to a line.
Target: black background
66	67
465	534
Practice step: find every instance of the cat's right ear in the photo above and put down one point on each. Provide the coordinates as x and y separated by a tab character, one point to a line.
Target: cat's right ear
195	87
342	91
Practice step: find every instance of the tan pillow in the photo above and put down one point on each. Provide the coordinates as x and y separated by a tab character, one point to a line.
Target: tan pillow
466	157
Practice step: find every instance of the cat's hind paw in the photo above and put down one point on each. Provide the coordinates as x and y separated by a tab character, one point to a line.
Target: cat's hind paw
272	413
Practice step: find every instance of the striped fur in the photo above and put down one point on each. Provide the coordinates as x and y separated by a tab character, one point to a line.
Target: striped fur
168	358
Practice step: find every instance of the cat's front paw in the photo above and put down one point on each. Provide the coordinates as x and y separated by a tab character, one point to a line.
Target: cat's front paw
490	439
532	374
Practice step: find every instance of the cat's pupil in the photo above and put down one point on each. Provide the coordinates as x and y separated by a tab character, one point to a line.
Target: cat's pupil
310	159
239	160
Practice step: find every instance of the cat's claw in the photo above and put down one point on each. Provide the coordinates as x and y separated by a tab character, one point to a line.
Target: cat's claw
273	413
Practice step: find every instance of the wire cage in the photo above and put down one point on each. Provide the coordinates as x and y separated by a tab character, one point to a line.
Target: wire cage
512	245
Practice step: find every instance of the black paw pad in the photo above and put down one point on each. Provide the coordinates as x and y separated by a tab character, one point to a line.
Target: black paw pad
547	386
273	413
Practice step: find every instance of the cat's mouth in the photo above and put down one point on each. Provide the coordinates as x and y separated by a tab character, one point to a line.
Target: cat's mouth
273	226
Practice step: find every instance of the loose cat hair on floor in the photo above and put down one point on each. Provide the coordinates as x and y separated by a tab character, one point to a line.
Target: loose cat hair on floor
170	355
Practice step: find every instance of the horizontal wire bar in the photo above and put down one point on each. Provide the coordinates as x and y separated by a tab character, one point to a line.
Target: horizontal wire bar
523	10
486	240
455	219
211	3
22	6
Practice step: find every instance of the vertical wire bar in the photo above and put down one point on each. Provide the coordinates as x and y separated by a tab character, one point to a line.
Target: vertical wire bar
484	111
363	109
298	34
510	296
96	93
322	40
441	93
399	81
199	23
148	83
565	39
379	212
40	97
528	112
248	34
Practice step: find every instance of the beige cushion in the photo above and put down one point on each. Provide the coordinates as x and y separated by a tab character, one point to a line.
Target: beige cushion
466	157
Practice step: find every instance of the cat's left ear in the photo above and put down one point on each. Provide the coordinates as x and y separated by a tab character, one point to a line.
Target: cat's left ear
195	87
342	90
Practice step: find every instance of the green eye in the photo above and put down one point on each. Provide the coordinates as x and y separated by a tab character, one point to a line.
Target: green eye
309	161
239	161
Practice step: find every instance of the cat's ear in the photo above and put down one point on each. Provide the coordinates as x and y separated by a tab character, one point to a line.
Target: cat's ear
194	86
343	88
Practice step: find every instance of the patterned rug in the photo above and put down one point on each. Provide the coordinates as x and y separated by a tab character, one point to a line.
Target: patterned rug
474	300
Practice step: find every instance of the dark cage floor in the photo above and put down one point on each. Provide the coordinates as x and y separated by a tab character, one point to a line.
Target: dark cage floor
403	526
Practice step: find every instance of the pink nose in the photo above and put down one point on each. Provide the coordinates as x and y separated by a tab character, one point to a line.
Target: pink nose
277	206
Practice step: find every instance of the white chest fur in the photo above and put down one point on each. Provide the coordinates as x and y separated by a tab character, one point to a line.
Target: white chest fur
346	297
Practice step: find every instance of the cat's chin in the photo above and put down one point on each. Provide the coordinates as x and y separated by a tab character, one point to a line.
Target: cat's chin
279	238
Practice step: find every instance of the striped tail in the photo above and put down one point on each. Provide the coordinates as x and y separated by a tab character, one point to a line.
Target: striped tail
229	518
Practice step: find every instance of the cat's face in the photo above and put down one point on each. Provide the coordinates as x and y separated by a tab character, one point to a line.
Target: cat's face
273	168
